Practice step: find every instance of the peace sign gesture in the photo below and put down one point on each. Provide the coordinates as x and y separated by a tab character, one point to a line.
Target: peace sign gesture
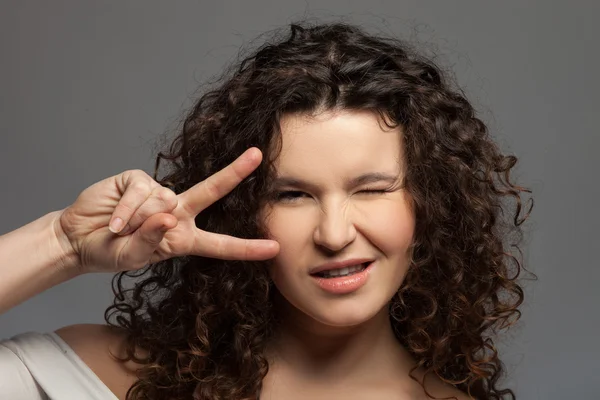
153	223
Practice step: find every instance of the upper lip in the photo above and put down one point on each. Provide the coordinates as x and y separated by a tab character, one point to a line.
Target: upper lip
339	264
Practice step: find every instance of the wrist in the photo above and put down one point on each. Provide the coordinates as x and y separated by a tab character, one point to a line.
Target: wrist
33	258
65	255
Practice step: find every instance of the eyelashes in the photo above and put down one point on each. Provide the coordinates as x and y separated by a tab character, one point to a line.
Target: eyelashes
291	196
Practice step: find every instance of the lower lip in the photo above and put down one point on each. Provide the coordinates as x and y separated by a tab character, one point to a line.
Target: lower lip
345	284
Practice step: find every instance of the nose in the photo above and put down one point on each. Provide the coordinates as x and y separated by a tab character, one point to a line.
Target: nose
335	229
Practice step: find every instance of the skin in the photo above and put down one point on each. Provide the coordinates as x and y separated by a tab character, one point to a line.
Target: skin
327	346
338	345
328	218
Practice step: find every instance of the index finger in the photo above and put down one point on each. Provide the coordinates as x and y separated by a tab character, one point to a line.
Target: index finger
203	194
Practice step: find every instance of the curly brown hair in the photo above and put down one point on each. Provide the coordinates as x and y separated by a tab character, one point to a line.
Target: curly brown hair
204	323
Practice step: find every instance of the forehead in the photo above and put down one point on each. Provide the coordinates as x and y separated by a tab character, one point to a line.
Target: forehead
342	142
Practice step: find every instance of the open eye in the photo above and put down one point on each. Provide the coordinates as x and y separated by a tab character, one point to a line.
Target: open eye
290	195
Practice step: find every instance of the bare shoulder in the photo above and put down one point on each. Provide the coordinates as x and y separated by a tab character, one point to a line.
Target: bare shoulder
460	395
439	389
445	392
97	345
448	391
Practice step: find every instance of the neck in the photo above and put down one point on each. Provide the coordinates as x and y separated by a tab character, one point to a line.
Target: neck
322	352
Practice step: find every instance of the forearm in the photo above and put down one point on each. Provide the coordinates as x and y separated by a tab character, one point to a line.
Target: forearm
33	259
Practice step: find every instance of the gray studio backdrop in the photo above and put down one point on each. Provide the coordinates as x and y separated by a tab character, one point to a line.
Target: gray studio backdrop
86	88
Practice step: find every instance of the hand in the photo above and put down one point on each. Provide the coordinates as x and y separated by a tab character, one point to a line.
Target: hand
158	224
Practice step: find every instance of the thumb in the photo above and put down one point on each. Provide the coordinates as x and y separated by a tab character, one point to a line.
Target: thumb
146	239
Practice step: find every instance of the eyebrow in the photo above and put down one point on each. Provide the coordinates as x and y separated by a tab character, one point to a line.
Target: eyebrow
371	177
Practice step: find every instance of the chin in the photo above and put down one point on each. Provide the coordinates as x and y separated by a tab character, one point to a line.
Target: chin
348	320
350	315
342	312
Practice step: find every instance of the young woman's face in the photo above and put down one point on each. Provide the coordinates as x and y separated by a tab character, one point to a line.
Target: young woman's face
339	199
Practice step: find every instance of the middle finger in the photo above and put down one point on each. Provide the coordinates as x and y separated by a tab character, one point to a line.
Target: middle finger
225	247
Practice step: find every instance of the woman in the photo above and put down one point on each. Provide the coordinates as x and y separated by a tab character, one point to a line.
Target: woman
366	256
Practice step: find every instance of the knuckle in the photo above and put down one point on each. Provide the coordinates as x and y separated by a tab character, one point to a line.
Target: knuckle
212	188
137	179
133	175
168	197
141	186
124	207
221	247
139	173
246	251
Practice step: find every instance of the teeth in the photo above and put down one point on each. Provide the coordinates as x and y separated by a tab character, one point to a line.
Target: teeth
342	271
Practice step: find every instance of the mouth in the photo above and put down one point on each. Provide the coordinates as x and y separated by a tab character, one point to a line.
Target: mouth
345	279
342	272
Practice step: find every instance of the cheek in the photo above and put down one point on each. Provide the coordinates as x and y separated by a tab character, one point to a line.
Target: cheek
288	227
291	229
390	226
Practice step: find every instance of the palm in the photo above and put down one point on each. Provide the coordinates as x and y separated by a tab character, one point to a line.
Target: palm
181	240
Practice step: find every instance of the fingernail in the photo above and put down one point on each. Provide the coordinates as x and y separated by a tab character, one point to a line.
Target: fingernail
126	230
116	225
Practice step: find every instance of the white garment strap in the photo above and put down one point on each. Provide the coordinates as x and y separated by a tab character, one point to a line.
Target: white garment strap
54	366
16	382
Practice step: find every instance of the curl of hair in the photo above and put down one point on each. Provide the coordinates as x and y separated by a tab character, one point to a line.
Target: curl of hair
203	324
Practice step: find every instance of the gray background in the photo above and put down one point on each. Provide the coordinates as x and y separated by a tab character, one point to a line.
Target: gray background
87	87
